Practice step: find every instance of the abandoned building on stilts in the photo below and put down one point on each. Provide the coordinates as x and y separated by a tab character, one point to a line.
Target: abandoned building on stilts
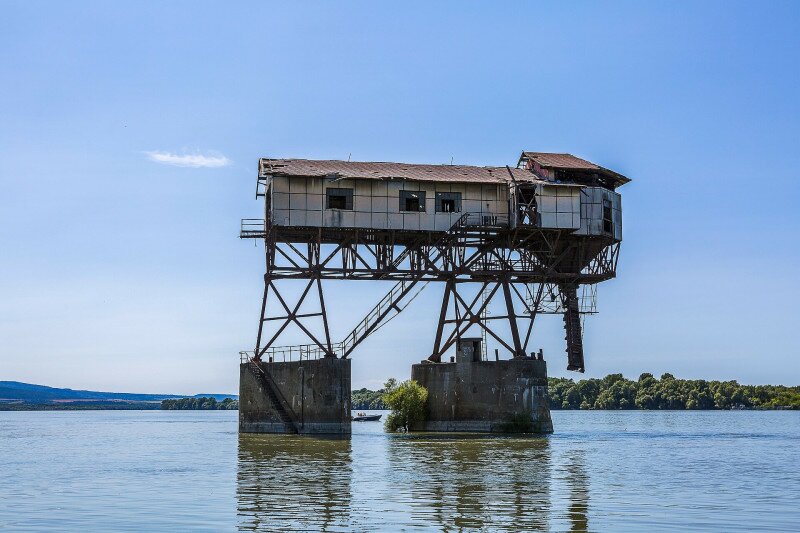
531	239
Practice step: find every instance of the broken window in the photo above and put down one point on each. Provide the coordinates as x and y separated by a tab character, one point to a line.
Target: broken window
448	202
339	199
608	222
412	200
527	208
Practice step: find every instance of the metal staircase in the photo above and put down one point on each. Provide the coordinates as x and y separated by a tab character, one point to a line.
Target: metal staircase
391	305
279	403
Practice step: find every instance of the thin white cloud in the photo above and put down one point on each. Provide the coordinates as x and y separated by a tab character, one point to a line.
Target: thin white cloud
195	160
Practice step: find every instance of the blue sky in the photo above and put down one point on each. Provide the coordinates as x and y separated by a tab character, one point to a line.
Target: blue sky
122	272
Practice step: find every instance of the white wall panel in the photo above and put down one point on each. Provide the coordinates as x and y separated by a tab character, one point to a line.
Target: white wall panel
332	218
564	204
297	217
280	184
471	206
549	220
379	221
363	219
380	204
363	187
362	203
298	201
315	186
315	202
393	187
395	221
564	221
280	200
379	188
547	204
314	218
297	185
411	221
472	192
280	217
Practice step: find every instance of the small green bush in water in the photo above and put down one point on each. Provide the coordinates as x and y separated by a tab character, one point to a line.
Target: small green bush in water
407	402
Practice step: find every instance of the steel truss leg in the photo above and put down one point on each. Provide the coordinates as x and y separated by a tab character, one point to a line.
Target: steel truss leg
470	314
286	315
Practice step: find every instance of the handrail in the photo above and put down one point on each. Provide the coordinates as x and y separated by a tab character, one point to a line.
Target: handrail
297	352
252	227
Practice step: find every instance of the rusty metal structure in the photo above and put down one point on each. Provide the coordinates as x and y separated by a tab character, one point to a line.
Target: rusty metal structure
536	237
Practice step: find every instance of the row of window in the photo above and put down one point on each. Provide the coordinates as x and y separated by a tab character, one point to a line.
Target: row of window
446	202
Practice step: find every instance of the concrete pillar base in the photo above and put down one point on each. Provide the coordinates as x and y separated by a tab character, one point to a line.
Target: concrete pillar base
508	396
312	397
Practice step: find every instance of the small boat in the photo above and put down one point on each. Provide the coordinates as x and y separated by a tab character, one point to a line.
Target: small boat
363	417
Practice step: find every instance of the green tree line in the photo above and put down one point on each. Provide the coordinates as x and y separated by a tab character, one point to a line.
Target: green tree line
611	392
616	392
363	399
204	404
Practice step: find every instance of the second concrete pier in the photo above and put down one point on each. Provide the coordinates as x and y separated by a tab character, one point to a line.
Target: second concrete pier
486	396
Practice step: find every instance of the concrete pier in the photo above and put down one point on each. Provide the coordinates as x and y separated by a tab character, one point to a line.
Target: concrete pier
508	396
304	397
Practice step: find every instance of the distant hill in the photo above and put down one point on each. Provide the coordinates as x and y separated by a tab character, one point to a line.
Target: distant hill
27	393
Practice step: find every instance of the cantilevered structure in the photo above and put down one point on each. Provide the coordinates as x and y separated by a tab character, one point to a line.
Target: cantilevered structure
538	236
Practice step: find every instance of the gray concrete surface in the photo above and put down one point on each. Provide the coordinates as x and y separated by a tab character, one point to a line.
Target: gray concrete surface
486	396
317	391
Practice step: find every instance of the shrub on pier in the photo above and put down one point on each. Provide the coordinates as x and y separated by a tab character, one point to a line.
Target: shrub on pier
407	402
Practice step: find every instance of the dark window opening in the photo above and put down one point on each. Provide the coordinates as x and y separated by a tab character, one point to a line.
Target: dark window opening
448	202
608	222
412	201
339	199
527	208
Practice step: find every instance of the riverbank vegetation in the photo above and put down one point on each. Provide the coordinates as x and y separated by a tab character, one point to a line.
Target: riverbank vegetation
78	406
667	392
200	404
407	402
363	399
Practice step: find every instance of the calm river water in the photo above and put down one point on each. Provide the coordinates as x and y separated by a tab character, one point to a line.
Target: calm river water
601	471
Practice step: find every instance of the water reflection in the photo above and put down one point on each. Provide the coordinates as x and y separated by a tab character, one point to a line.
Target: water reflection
578	487
482	482
291	483
377	481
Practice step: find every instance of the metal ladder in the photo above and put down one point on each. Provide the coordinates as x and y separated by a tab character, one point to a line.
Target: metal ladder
572	327
279	403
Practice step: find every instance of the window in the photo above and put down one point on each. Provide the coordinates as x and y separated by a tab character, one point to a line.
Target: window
412	200
608	222
339	199
448	202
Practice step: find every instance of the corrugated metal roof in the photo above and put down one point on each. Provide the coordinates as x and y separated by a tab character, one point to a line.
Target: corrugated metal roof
571	162
378	170
547	160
